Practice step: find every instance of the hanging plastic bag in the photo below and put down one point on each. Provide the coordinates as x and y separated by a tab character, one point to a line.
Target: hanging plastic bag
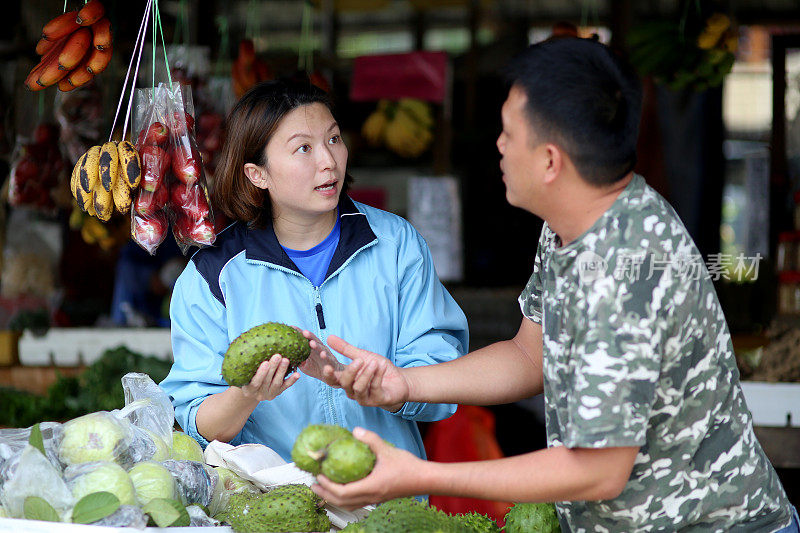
37	170
173	181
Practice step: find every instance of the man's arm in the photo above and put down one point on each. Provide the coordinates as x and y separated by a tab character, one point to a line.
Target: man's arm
503	372
553	474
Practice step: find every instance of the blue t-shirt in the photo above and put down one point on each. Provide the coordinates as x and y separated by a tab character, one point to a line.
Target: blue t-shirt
314	262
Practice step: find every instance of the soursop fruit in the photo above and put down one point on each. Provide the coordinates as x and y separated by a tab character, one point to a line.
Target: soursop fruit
347	459
286	510
407	514
539	517
333	451
311	443
258	344
477	523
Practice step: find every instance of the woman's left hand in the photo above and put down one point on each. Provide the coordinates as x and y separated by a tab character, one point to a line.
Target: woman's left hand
319	359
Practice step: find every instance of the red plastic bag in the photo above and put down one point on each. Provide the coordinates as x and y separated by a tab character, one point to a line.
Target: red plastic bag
468	435
173	187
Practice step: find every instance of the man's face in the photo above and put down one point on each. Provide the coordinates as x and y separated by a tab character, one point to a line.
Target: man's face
521	161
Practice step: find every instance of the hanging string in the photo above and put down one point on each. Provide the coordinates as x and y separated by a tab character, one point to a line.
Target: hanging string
41	105
136	71
222	26
139	41
305	52
163	43
154	38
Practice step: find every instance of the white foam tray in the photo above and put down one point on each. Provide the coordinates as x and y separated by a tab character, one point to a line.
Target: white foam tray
83	346
773	404
37	526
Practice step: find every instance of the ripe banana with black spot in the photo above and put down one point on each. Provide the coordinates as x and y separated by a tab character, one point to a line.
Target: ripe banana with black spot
108	165
90	170
130	166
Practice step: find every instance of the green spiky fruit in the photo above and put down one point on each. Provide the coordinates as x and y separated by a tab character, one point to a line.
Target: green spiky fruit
347	459
525	517
478	523
258	344
285	510
407	514
311	443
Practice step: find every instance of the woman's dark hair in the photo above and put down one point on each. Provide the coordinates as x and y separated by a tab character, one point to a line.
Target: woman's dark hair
585	99
248	129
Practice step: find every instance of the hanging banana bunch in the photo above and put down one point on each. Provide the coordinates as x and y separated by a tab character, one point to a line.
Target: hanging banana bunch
75	46
104	177
405	126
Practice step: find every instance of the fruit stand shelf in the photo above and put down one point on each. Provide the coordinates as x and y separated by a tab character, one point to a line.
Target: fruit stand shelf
66	347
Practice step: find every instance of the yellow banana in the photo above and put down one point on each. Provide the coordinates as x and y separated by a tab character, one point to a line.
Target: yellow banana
122	196
90	170
103	203
130	166
74	179
109	165
374	126
418	109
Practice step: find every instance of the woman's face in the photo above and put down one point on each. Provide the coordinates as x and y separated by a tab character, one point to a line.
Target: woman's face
306	162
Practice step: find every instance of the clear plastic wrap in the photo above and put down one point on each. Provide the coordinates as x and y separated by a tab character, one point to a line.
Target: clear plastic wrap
98	436
125	516
148	407
173	181
86	478
14	440
35	475
196	482
199	518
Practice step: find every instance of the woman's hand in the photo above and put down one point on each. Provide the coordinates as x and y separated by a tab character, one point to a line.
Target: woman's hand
396	474
320	360
268	381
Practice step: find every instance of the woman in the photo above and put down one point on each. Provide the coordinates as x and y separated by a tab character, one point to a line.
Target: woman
303	253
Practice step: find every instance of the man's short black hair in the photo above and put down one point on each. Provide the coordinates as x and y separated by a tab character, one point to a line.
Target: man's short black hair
586	100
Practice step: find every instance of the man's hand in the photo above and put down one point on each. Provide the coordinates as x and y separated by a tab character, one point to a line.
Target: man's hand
320	360
370	379
394	475
268	381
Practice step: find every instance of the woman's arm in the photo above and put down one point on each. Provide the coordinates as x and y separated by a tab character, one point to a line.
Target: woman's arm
222	416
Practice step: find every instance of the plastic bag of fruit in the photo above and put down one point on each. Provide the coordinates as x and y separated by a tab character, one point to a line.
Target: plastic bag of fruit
173	186
37	170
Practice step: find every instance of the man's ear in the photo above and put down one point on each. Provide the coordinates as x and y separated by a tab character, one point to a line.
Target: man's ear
256	175
554	162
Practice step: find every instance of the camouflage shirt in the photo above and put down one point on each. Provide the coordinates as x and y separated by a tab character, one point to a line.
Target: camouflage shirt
637	353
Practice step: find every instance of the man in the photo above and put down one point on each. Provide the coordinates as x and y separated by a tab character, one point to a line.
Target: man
622	331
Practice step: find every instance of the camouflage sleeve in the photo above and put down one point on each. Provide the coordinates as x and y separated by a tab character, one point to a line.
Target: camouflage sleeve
530	300
616	358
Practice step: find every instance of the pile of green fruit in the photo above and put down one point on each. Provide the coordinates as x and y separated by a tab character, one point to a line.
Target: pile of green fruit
407	514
